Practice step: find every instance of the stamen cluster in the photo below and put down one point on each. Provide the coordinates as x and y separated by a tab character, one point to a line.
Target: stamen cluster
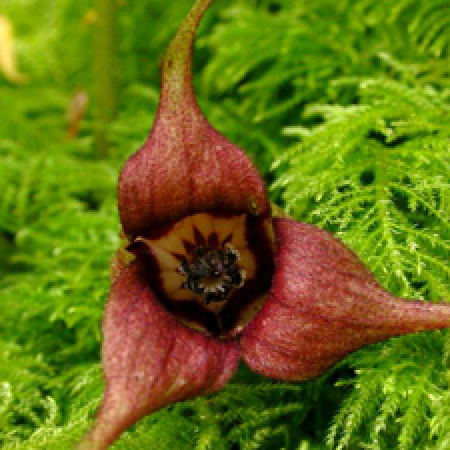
212	273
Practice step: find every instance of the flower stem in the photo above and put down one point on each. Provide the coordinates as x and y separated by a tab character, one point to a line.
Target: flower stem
105	70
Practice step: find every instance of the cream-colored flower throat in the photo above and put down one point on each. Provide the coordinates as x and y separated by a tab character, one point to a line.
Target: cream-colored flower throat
212	272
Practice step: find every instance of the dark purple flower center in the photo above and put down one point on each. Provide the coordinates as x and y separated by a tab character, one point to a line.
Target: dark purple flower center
211	272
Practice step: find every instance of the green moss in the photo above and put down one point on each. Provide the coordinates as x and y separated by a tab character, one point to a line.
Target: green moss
344	106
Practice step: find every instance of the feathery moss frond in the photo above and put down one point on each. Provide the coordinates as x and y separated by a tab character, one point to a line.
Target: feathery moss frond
350	100
401	384
376	174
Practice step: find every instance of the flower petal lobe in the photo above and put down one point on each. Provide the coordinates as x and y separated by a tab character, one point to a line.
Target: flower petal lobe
150	360
325	304
185	166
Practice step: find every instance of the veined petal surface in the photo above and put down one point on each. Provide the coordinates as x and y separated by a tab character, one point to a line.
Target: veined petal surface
186	166
150	360
323	305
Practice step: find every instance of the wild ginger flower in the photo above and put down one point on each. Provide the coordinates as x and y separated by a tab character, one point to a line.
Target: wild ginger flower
208	276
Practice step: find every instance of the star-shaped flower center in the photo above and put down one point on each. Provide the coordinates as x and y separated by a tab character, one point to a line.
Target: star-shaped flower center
212	272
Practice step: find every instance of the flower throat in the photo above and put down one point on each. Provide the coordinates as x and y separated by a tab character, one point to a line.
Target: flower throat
212	272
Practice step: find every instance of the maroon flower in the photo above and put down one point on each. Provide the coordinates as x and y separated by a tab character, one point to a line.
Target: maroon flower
208	276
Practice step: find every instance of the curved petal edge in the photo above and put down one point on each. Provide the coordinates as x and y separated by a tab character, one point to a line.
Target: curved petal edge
185	166
150	360
325	304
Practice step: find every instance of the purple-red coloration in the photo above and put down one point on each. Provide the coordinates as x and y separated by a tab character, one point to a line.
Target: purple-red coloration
324	304
185	166
150	360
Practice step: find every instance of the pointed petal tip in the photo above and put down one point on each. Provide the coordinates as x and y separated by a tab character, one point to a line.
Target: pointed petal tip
185	166
150	360
177	62
109	424
325	304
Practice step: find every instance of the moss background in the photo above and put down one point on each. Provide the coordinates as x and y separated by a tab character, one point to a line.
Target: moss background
344	107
